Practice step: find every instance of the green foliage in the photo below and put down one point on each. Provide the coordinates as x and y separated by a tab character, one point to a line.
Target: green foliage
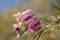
56	7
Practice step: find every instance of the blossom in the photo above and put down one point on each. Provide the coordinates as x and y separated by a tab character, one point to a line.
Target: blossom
17	31
35	27
30	30
31	21
26	21
15	26
26	15
18	16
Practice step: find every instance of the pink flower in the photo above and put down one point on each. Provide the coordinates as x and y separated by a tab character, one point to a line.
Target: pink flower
26	15
37	25
34	27
30	30
15	26
17	31
27	19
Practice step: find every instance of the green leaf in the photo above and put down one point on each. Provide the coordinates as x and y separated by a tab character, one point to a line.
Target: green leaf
24	35
39	34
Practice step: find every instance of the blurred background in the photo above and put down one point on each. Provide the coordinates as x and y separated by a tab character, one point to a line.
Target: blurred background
40	8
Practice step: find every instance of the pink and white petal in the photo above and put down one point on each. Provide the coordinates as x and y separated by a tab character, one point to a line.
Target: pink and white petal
15	26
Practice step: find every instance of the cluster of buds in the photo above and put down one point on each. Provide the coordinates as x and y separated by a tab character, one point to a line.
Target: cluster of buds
26	18
56	19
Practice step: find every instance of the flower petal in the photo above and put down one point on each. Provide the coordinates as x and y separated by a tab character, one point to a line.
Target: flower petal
15	26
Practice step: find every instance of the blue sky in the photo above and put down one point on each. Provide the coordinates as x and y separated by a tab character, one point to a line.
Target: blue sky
7	4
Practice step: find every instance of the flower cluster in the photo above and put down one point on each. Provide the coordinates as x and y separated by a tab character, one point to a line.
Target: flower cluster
26	18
